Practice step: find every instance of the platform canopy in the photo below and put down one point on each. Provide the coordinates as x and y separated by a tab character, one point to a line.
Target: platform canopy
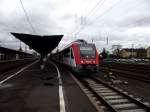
41	44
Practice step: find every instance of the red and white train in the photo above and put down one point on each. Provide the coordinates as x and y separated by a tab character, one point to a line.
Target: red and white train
80	56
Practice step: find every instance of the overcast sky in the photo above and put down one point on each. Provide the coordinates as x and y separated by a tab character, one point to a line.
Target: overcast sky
124	22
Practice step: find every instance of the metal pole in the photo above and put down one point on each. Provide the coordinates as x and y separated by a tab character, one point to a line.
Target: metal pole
132	50
25	48
107	40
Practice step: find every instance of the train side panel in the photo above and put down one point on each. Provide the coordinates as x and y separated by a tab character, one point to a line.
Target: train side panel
72	57
69	56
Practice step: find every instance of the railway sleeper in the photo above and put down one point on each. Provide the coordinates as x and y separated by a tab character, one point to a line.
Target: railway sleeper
133	110
128	106
104	91
96	89
113	97
118	101
96	84
108	94
99	86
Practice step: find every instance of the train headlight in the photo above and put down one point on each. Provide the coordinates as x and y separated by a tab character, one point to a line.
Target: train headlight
81	61
93	61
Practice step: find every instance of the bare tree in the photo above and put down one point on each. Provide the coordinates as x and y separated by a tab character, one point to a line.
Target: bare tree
104	53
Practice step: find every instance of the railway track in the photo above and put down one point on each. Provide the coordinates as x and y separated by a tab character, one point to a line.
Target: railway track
127	74
141	69
107	98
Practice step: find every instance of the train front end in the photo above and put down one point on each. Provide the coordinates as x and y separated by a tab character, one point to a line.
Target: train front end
88	58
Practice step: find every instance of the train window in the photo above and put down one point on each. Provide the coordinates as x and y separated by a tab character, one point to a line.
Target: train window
85	48
66	52
72	54
87	51
66	55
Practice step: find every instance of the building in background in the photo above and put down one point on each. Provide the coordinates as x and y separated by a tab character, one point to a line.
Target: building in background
133	53
148	52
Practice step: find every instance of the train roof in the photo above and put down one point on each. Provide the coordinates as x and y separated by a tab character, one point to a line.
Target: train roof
80	41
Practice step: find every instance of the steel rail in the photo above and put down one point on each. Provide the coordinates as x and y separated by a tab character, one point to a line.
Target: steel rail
147	107
113	99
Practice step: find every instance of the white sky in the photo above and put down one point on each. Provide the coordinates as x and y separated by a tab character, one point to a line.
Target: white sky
124	22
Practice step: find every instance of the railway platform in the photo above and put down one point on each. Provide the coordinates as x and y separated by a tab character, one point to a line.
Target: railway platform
51	90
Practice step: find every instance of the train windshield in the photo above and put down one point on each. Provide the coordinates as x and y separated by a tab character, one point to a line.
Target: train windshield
87	51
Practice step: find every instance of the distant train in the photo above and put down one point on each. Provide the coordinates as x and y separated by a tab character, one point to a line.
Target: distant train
79	55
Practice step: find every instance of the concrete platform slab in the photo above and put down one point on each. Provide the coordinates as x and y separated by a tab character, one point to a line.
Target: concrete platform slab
75	99
32	90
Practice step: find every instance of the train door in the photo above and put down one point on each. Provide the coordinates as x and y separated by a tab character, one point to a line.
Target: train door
66	56
72	59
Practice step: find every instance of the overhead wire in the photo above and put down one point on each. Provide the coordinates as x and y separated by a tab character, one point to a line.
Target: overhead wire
27	17
104	13
112	8
92	10
97	4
